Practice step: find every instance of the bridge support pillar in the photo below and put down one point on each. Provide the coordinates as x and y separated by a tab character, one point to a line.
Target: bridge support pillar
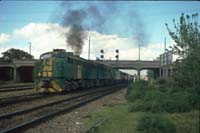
138	74
160	72
11	73
15	75
156	74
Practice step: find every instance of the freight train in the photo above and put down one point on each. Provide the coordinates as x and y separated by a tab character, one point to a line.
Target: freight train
59	71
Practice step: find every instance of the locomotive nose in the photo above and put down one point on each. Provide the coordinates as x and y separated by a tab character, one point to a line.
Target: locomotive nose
46	83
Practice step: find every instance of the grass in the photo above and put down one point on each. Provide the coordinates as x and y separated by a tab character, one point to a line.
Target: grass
150	108
120	120
185	122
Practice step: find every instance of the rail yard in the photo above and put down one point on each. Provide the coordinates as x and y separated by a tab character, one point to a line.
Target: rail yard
99	67
22	111
62	82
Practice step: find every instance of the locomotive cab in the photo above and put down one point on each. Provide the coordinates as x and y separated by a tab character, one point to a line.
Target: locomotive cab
49	71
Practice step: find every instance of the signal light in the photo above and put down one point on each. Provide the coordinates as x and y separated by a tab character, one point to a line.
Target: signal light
117	56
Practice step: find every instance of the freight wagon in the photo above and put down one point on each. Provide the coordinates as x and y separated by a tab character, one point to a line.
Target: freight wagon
59	71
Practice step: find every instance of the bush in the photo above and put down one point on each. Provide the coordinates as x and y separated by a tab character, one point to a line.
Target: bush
156	101
138	105
137	91
153	101
135	94
195	97
178	102
154	123
161	81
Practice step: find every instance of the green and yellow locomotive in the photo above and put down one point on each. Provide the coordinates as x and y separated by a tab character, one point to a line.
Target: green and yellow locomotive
59	71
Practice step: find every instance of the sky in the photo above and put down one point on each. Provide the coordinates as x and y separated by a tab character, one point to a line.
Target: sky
112	25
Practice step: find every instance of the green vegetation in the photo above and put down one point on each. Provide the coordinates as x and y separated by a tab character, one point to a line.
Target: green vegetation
155	98
119	120
12	53
164	106
160	99
153	123
186	35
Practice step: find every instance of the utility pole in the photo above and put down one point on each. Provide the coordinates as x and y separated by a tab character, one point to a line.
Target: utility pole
139	53
30	48
89	49
165	45
138	71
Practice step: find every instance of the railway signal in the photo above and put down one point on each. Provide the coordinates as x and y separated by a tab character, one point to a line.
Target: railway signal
117	56
102	52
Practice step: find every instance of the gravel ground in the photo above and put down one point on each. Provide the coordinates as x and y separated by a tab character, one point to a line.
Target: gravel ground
32	103
38	101
72	122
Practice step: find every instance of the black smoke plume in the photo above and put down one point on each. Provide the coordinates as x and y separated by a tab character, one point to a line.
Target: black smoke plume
100	17
76	34
80	20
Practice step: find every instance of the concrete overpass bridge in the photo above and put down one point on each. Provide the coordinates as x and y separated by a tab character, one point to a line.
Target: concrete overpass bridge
135	65
17	70
22	70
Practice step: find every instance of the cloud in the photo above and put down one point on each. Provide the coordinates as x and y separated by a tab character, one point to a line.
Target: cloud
128	48
43	36
47	36
4	38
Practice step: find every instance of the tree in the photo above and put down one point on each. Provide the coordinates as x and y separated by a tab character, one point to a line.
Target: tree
18	54
150	74
187	47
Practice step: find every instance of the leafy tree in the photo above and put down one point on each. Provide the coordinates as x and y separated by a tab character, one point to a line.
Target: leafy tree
18	54
186	35
187	46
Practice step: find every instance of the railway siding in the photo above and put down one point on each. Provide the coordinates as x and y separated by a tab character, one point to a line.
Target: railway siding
72	122
44	112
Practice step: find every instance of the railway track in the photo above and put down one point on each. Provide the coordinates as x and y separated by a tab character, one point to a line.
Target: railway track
22	98
15	85
22	119
16	88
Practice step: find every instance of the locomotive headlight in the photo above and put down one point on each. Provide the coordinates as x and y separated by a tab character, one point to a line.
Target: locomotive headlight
44	74
39	74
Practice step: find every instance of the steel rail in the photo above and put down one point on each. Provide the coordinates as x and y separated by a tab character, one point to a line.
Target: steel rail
46	116
15	85
18	96
7	115
23	99
16	88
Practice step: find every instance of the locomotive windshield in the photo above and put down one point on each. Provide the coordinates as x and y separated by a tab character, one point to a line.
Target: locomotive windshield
46	55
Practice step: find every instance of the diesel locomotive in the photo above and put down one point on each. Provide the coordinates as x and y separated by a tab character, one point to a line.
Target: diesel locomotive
59	71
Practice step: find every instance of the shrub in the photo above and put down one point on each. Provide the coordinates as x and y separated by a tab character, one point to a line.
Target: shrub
155	98
156	101
138	105
178	102
161	81
154	123
153	101
135	94
137	91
